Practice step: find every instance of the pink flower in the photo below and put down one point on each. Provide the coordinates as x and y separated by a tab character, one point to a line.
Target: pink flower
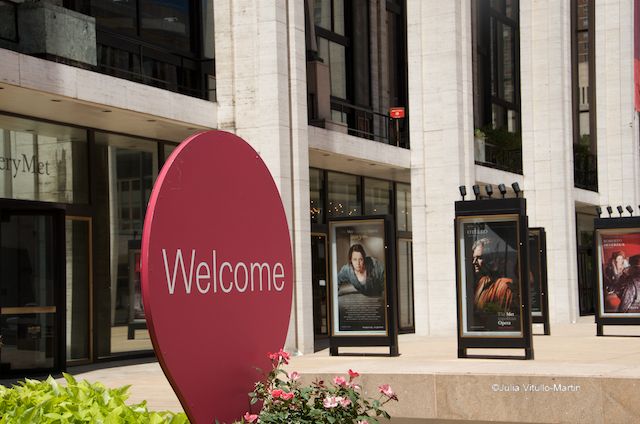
363	422
345	402
250	417
330	402
339	381
353	386
276	393
386	390
280	355
287	396
353	374
294	376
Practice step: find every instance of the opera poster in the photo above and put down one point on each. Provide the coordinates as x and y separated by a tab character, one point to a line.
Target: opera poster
358	275
489	269
619	272
535	273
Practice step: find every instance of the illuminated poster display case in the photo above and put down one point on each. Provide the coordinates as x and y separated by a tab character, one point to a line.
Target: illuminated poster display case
617	261
362	289
492	268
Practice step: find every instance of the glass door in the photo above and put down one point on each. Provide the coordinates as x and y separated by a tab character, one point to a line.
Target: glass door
31	273
320	291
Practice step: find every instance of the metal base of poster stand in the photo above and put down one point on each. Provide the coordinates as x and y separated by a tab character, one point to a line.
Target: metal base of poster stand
615	321
391	343
545	324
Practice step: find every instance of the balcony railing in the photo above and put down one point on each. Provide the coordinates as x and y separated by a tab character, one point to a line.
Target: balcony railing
499	157
366	123
585	170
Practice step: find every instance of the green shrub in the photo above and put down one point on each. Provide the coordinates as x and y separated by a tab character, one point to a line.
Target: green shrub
48	402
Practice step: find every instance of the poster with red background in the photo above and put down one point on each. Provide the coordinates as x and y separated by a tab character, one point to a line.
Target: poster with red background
616	247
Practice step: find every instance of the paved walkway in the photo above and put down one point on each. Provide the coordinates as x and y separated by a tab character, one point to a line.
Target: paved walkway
573	350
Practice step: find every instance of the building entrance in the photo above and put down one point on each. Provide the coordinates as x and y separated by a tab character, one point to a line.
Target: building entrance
32	258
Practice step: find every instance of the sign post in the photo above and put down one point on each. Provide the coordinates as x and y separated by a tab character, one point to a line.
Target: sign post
538	286
216	274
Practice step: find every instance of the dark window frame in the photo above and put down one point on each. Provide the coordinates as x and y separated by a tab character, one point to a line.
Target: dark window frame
585	161
485	21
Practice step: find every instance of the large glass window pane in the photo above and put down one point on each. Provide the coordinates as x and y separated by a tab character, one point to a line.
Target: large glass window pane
338	16
405	284
131	168
78	248
377	197
8	30
119	16
316	192
403	207
344	195
338	70
322	13
166	23
42	161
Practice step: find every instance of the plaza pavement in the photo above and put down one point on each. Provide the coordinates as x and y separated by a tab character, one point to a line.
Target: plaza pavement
435	386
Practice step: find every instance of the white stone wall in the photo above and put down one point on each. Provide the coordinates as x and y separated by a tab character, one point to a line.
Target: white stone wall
616	120
439	56
547	143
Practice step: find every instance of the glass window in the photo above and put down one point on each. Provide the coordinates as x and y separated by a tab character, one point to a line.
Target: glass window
316	194
42	161
128	170
78	274
119	16
405	284
338	70
403	207
344	195
322	13
165	22
377	196
8	30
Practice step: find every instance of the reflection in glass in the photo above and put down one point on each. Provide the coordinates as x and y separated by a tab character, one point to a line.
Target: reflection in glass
377	196
405	284
131	171
42	161
78	245
27	281
344	195
166	23
403	207
316	194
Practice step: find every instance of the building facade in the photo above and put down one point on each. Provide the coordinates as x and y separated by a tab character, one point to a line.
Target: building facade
539	93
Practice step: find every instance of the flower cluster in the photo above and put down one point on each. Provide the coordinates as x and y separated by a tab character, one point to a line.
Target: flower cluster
284	399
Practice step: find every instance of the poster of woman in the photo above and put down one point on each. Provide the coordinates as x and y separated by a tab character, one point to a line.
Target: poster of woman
619	272
490	270
359	283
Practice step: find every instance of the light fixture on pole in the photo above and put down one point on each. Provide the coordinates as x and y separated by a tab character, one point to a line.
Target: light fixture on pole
598	211
630	210
502	189
476	191
516	188
619	208
463	191
489	189
609	210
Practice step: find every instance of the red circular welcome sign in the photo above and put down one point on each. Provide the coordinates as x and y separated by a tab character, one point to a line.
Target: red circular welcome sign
216	273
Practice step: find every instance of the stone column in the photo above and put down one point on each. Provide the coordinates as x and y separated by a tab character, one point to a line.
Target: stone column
547	144
261	73
440	100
